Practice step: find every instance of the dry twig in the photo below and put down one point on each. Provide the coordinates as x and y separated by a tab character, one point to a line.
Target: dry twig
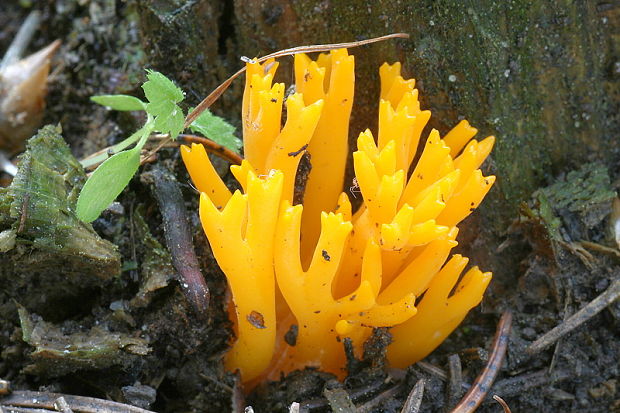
456	379
375	401
590	310
513	386
438	372
433	370
44	400
502	403
414	400
215	148
483	383
237	398
179	238
210	146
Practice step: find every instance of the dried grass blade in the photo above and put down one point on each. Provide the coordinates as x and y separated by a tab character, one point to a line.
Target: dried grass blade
218	91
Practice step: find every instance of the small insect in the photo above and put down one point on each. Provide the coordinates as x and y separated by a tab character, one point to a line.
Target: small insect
268	67
271	173
355	188
289	91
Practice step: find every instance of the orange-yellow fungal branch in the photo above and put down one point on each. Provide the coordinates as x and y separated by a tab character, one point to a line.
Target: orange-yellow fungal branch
203	174
332	79
262	109
246	222
293	139
438	313
340	273
308	293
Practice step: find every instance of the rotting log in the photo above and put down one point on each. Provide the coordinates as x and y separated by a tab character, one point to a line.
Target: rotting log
48	255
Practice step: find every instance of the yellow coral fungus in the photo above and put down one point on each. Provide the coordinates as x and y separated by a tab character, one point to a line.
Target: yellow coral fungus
340	274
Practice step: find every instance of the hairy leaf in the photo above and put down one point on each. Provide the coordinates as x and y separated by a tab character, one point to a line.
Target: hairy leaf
119	102
163	96
217	129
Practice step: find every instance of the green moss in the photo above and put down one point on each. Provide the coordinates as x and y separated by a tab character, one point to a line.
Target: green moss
51	248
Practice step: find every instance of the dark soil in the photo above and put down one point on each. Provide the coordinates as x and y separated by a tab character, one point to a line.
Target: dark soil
166	358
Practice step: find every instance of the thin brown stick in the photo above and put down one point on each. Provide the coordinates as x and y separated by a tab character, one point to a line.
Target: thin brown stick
433	370
594	307
218	91
502	403
149	155
330	46
218	383
238	398
600	248
215	148
211	147
483	383
44	400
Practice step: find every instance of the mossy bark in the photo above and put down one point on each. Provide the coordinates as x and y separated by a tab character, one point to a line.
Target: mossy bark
540	75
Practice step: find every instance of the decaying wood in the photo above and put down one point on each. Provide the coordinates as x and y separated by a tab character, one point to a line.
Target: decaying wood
483	383
414	400
45	400
178	238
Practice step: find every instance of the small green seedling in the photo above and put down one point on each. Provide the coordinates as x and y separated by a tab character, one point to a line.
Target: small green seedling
163	115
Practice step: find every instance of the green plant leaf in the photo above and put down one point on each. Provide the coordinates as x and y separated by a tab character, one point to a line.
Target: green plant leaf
169	117
217	129
106	183
137	135
159	88
163	97
119	102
